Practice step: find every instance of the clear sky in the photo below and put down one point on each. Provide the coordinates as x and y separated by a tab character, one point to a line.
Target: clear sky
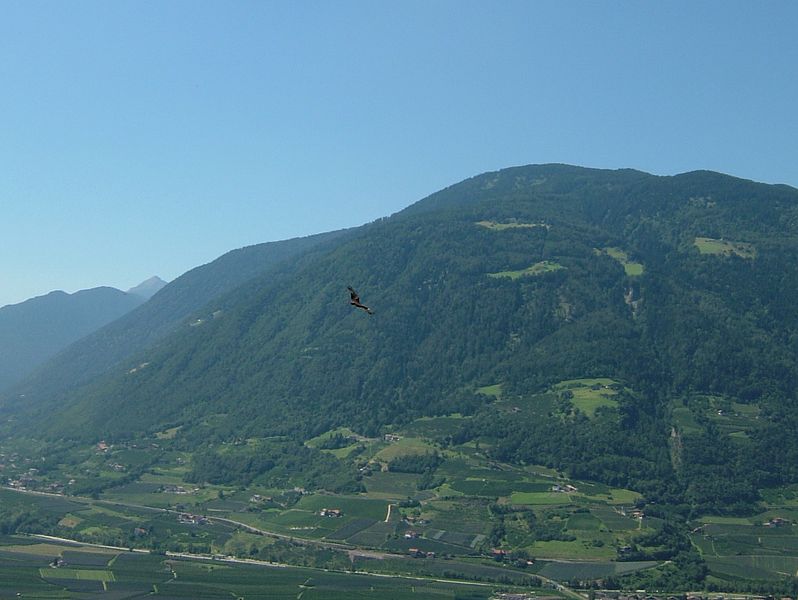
149	137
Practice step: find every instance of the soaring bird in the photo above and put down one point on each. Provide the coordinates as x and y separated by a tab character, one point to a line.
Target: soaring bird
354	300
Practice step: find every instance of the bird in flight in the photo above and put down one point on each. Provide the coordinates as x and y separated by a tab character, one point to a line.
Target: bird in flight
354	300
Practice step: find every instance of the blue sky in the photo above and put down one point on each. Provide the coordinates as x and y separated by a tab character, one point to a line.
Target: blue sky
149	137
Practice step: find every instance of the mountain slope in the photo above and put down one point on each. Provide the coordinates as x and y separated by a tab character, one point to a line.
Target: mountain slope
154	319
33	331
515	281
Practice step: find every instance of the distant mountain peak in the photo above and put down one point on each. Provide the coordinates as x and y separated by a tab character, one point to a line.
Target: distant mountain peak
148	288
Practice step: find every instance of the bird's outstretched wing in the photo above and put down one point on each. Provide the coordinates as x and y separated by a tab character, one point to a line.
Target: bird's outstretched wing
355	300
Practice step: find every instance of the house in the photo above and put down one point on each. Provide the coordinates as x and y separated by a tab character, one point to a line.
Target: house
777	522
331	512
392	437
189	519
410	535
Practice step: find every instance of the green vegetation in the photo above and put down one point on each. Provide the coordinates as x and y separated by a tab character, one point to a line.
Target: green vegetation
588	395
657	403
511	225
632	269
544	266
723	247
25	574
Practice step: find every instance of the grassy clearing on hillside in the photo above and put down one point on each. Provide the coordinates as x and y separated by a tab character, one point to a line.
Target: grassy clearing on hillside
588	395
494	390
434	427
632	269
723	247
539	268
319	439
512	225
403	447
684	420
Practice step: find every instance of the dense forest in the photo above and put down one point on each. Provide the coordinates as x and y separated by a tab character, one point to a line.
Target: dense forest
512	279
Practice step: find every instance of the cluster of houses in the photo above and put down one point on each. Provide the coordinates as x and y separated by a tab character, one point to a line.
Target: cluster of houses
499	554
331	512
777	522
176	489
635	513
257	499
418	553
189	519
565	489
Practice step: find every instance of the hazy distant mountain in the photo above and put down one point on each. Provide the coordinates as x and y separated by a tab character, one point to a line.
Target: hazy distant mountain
144	326
147	289
33	331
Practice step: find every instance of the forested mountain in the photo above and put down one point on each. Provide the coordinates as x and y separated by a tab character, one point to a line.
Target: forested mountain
677	291
33	331
166	309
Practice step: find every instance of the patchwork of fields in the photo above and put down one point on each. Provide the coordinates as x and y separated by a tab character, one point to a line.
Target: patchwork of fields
470	517
27	570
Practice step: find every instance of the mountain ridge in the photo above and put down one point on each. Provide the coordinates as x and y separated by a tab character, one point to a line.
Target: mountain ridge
460	307
33	331
149	322
550	348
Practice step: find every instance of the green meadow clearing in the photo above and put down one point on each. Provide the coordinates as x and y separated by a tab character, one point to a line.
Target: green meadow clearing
723	247
539	268
510	225
632	268
588	395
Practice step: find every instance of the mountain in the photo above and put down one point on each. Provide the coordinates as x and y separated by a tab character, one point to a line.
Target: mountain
148	288
154	319
33	331
624	328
